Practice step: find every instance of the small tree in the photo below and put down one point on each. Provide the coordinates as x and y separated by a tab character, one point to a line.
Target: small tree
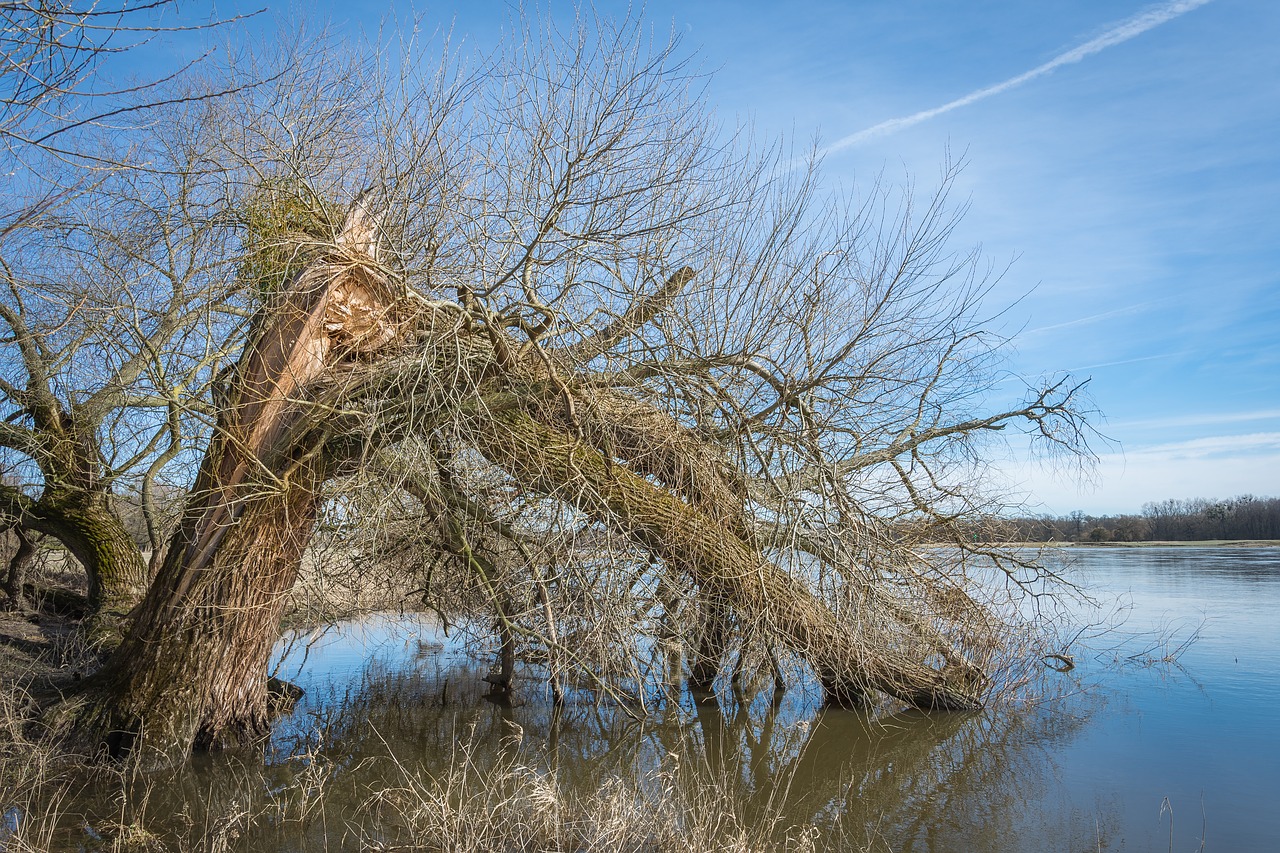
118	253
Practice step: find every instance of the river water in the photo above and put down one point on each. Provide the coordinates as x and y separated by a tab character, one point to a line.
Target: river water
1165	736
1188	751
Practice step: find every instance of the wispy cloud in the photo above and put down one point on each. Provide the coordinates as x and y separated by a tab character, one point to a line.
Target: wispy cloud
1267	443
1122	32
1204	419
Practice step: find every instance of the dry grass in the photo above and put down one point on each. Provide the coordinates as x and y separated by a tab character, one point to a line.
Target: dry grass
514	806
50	801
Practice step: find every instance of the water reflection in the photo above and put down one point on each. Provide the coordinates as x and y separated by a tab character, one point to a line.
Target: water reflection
1085	770
904	782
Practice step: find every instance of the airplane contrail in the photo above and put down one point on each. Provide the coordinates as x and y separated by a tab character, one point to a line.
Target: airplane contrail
1122	32
1092	318
1124	361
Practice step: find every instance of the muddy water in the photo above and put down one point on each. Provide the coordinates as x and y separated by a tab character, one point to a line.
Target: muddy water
1144	746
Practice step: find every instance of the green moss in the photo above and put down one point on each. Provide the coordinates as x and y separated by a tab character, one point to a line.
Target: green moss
285	223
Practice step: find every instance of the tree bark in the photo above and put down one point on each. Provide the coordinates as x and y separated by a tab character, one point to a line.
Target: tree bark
193	671
850	659
84	522
80	516
704	662
19	563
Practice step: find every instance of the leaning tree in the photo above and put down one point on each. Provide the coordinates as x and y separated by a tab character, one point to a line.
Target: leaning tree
624	378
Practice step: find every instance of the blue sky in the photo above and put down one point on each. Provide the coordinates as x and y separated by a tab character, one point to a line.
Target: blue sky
1125	156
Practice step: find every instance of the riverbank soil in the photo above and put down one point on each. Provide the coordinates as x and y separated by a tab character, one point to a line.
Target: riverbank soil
42	648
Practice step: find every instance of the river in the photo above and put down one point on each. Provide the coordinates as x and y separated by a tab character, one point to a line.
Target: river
1165	736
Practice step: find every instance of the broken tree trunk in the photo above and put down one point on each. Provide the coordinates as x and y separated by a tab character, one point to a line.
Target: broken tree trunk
193	668
848	658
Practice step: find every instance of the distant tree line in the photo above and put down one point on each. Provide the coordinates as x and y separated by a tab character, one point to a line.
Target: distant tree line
1174	520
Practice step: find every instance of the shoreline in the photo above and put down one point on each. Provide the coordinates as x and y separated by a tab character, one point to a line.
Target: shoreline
1160	543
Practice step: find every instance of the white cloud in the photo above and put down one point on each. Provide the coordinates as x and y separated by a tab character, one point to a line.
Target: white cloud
1209	446
1085	367
1211	466
1122	32
1202	419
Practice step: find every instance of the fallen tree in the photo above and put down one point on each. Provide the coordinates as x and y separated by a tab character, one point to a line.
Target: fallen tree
631	383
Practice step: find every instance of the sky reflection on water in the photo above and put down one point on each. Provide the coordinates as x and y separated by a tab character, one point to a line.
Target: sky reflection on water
1132	746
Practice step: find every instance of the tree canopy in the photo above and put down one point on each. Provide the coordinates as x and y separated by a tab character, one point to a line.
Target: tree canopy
538	331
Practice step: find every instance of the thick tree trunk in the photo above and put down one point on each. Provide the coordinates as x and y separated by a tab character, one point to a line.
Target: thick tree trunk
94	534
193	671
848	658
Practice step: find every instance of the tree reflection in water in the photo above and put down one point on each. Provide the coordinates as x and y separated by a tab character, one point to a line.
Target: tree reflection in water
904	781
